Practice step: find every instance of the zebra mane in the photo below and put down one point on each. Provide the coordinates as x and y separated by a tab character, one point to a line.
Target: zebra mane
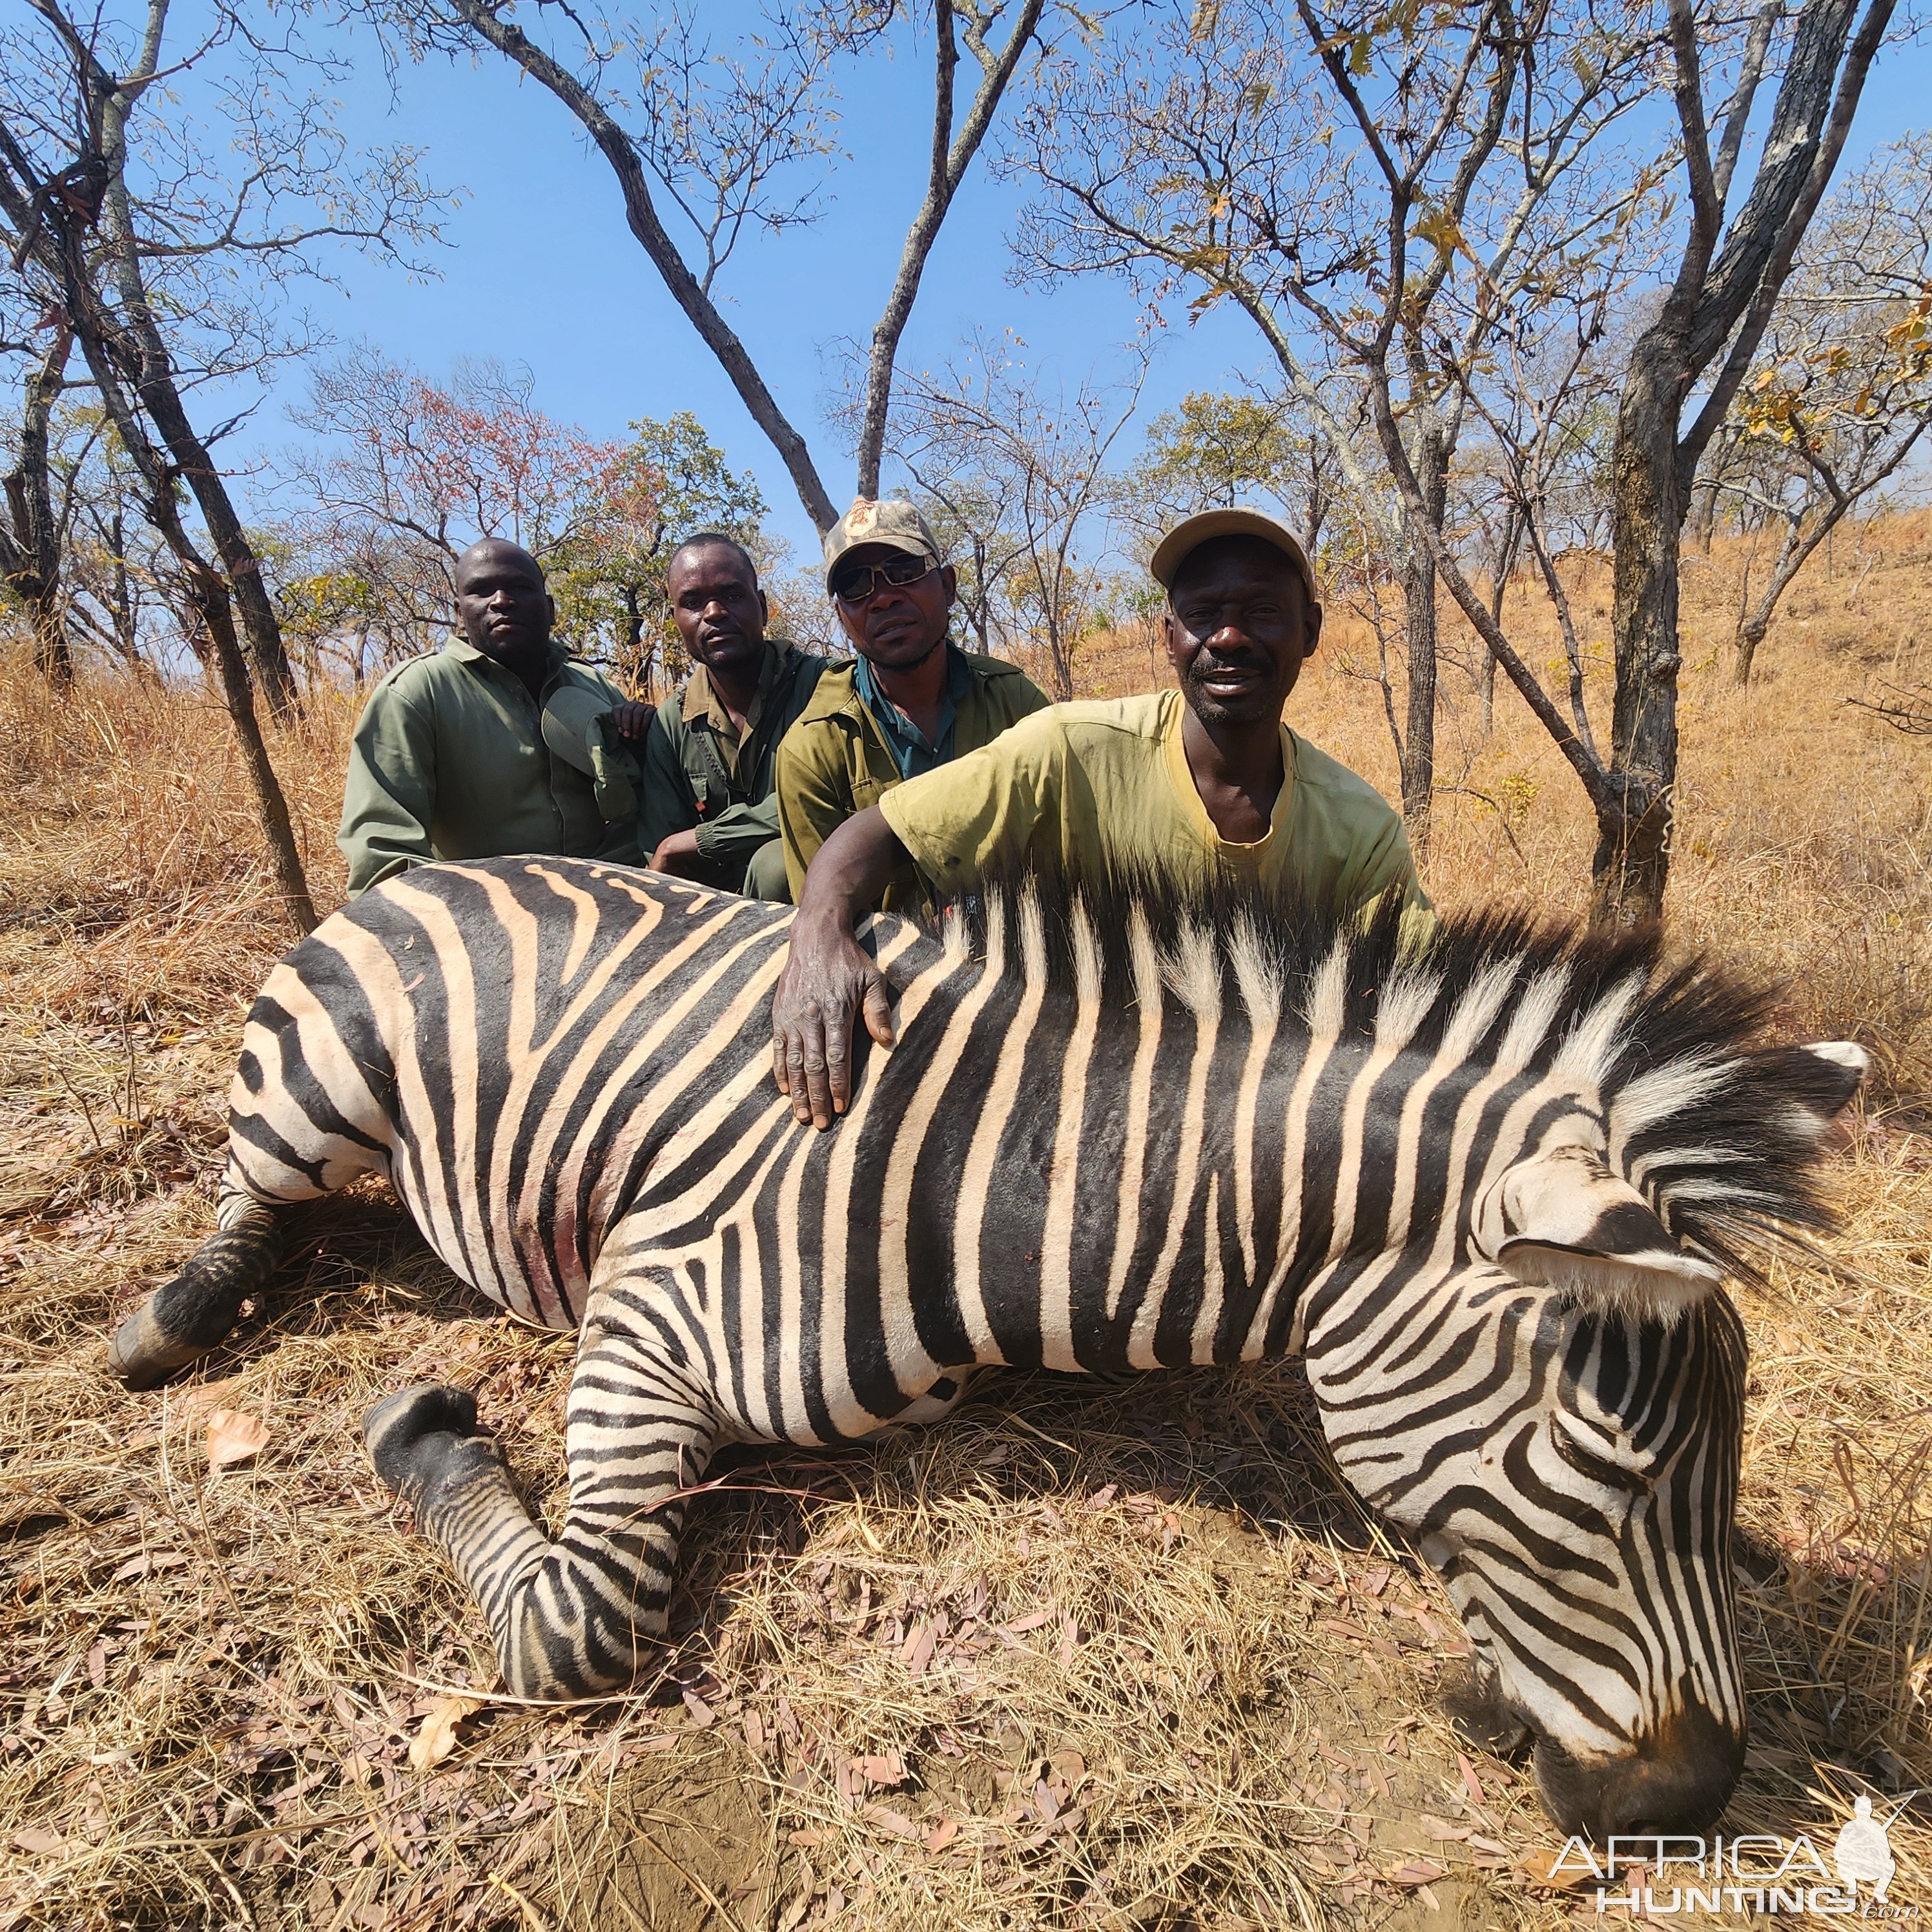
1717	1122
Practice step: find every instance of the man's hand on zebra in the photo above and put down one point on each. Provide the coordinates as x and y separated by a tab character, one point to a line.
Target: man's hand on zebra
829	979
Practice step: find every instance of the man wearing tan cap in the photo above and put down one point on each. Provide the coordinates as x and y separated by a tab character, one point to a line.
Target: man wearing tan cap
1193	785
910	701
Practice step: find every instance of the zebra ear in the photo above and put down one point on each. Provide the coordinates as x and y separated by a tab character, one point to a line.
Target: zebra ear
1561	1219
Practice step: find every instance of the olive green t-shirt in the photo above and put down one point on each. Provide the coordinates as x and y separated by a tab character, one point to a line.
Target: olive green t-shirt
1103	788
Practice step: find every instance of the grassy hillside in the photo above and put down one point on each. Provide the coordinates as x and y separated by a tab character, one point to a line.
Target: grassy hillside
1122	1659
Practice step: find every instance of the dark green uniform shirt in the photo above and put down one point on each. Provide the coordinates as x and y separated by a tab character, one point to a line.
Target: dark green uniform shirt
449	762
698	771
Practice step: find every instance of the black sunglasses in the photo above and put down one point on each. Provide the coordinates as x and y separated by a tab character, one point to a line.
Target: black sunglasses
856	582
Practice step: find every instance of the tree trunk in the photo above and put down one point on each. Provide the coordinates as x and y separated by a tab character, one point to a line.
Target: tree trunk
1704	514
1419	643
140	352
30	552
1418	749
1800	546
127	629
1750	634
211	615
979	610
1059	662
1632	864
1513	525
208	596
267	653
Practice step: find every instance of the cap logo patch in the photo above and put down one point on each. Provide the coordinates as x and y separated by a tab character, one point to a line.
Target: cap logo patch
860	517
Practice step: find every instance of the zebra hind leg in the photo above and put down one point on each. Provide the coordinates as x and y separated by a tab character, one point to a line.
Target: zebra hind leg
185	1318
573	1618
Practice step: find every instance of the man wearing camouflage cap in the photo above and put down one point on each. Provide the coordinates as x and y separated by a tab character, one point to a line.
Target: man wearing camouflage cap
910	701
1191	787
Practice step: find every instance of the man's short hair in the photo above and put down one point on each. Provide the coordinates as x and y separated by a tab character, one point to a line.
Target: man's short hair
710	540
496	544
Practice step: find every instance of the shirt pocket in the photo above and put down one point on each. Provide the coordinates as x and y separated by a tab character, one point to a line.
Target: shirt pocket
869	784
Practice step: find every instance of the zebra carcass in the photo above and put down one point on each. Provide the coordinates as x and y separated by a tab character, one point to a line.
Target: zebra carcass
1486	1179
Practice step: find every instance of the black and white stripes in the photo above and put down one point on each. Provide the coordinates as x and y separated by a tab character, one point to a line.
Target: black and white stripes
1486	1176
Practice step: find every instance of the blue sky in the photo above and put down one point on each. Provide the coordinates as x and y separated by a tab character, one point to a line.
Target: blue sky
542	271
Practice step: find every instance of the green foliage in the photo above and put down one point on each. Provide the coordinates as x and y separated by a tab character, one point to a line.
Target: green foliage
413	470
1218	450
607	574
312	607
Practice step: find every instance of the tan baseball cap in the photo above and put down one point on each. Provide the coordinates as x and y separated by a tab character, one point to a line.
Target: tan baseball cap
889	521
1192	532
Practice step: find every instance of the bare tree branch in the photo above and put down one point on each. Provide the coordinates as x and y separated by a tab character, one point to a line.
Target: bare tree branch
484	18
948	166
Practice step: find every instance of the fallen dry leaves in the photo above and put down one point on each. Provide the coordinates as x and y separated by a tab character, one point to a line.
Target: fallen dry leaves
234	1436
436	1737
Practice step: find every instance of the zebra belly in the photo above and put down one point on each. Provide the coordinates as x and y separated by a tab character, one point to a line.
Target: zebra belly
515	1268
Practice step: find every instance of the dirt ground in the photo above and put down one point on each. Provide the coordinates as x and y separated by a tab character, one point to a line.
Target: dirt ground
1117	1657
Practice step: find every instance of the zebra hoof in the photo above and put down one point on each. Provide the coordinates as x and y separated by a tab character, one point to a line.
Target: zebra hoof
140	1356
409	1436
187	1317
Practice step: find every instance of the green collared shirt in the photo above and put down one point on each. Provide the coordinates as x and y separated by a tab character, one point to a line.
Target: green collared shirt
449	762
700	771
834	761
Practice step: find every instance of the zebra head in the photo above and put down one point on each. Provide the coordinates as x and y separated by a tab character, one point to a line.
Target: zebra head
1553	1400
1515	1162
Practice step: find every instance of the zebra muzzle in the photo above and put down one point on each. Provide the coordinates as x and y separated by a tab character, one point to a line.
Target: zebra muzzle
1677	1781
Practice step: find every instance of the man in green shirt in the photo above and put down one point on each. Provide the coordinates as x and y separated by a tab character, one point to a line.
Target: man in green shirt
710	811
1195	785
909	701
500	742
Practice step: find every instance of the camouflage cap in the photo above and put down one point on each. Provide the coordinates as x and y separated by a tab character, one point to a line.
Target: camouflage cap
889	521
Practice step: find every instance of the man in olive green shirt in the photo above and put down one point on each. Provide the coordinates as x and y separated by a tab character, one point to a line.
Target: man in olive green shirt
1198	784
909	700
500	742
710	811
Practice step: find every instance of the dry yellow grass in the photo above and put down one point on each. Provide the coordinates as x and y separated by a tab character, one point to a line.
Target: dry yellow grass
1105	1658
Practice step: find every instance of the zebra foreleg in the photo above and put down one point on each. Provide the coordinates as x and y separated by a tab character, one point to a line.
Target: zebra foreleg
575	1617
185	1318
